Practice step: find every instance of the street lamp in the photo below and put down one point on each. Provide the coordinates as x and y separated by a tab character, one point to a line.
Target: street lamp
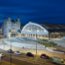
1	58
36	40
9	36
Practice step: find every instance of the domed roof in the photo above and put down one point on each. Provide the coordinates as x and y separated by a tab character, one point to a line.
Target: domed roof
34	28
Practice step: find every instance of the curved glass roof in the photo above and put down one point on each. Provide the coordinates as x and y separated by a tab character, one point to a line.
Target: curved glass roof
34	28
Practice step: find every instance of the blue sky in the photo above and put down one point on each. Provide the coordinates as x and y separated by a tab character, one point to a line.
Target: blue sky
40	11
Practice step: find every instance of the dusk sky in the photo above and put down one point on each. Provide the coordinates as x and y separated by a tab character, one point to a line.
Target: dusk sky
40	11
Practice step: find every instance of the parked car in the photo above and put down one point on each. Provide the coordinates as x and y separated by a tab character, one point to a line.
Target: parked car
58	61
10	51
29	54
17	52
44	56
2	55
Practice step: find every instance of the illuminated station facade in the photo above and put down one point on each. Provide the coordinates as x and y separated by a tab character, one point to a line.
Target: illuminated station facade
33	30
45	31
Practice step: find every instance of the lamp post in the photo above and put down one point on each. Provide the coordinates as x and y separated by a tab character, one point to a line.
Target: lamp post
36	41
0	58
10	49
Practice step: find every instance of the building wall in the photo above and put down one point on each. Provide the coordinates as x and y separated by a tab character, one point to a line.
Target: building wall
57	34
10	27
1	34
6	27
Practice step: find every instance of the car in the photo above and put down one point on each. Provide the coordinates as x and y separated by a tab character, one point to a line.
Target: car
17	53
58	61
10	51
44	56
29	54
2	55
